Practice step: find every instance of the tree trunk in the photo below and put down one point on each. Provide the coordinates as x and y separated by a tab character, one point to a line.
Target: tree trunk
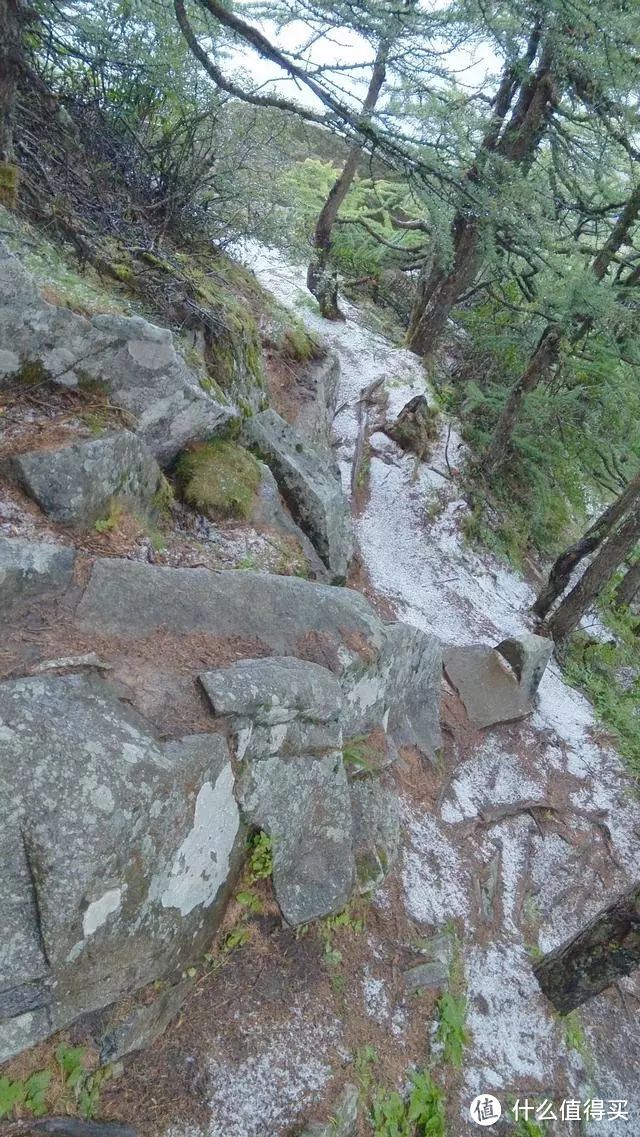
322	280
545	355
11	21
516	143
605	950
629	586
569	613
440	291
564	566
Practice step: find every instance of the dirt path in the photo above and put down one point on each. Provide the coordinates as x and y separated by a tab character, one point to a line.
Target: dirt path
521	883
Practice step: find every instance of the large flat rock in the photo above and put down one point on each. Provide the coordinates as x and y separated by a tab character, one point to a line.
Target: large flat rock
77	484
289	615
310	483
486	684
388	672
303	803
274	691
118	852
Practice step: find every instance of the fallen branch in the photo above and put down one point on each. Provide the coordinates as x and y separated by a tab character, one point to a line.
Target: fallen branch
536	809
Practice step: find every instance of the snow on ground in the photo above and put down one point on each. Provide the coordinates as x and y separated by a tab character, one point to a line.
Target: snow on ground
411	541
259	1093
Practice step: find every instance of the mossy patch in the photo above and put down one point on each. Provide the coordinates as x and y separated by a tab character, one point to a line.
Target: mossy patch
219	479
298	344
9	182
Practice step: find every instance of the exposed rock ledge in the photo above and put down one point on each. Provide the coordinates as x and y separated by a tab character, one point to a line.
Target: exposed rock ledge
122	848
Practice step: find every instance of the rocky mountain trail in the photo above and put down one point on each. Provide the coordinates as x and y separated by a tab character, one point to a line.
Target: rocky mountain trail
426	835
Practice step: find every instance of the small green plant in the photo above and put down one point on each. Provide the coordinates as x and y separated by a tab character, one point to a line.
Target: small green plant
576	1039
157	541
250	901
451	1031
365	1059
426	1106
84	1083
260	865
596	667
345	919
332	957
81	1086
236	938
28	1095
527	1128
164	497
112	520
422	1114
389	1114
355	754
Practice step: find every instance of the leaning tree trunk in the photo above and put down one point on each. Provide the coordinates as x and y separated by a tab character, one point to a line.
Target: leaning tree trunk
569	613
605	950
322	280
516	142
440	291
629	586
564	566
11	19
545	355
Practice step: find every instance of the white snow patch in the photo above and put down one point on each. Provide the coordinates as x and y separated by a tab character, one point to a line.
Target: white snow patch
493	776
435	878
286	1067
513	1038
376	1000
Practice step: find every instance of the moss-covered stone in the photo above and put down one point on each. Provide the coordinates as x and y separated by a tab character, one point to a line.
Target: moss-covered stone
219	478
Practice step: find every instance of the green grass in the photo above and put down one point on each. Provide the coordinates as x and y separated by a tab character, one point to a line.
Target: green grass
356	754
219	479
595	668
527	1129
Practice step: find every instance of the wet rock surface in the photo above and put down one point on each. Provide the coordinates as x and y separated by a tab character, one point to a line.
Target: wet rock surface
311	485
79	484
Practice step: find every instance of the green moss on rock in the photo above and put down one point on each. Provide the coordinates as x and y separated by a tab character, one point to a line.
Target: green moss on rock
219	478
9	181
